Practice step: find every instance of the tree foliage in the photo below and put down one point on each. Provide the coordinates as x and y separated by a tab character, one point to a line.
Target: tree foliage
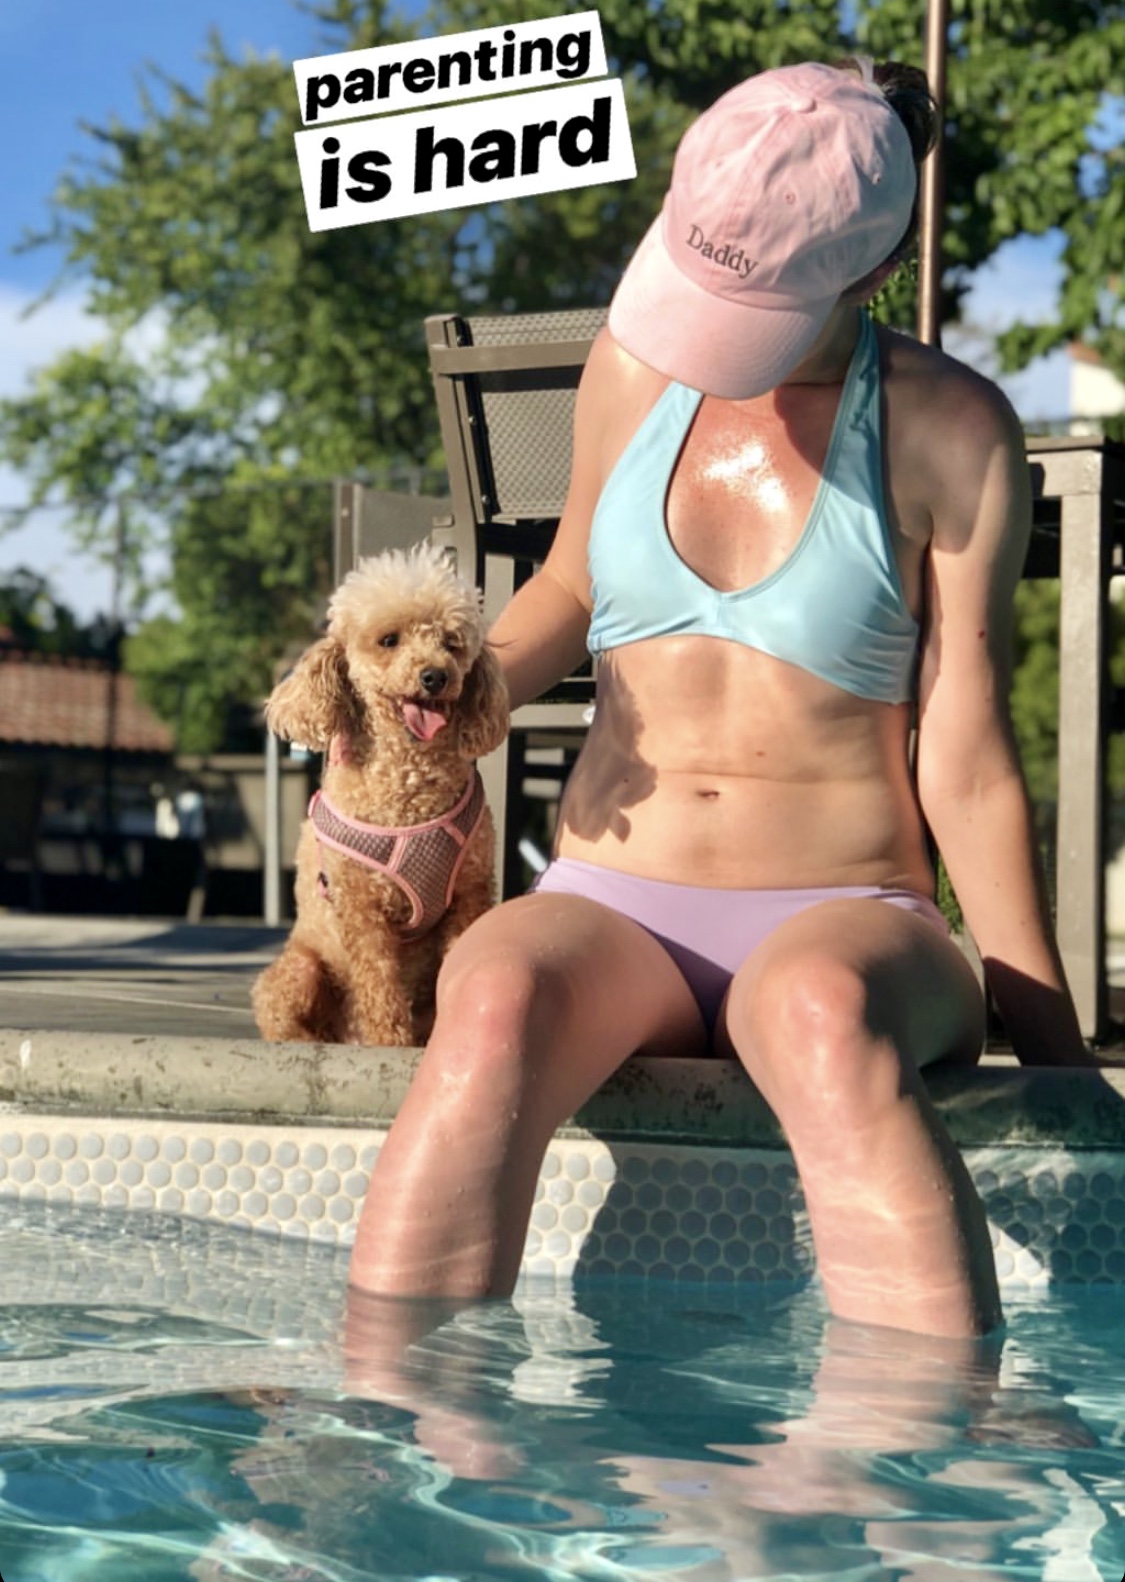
244	350
245	592
1035	689
34	620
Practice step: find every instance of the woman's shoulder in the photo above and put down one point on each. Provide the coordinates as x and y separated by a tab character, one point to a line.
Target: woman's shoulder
938	408
615	373
932	382
615	394
956	446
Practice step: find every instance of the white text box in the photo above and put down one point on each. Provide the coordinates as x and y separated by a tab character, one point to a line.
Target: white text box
469	154
442	70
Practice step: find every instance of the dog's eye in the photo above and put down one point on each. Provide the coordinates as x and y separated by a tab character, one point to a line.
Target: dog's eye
390	640
453	643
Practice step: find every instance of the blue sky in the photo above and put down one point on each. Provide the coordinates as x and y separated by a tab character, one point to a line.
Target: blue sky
65	61
62	62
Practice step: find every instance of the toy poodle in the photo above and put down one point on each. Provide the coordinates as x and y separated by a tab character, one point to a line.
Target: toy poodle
395	859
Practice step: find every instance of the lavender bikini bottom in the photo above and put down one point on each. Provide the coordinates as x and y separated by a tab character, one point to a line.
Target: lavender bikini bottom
709	933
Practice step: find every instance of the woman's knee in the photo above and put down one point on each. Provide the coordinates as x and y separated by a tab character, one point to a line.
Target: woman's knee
815	1036
493	1003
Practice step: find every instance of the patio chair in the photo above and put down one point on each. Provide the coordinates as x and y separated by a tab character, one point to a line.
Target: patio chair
505	393
367	520
1079	537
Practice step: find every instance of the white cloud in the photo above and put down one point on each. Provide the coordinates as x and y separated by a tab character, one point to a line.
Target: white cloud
29	342
1019	285
43	546
1040	392
32	339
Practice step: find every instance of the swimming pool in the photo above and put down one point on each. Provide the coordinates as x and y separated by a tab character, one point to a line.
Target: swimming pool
181	1400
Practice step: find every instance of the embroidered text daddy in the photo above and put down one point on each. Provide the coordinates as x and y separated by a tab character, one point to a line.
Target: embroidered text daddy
729	258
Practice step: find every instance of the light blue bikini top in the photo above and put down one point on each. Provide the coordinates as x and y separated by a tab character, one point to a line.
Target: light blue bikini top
835	607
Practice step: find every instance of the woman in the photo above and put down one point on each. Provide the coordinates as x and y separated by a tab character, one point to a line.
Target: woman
782	577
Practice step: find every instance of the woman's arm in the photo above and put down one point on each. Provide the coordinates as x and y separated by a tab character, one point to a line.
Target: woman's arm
970	783
541	635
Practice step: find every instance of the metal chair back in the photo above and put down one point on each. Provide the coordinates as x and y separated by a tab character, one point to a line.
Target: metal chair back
505	390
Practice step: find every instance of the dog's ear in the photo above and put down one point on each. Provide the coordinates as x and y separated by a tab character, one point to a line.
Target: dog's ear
315	701
483	712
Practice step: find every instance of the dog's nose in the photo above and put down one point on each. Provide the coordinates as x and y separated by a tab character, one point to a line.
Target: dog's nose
433	680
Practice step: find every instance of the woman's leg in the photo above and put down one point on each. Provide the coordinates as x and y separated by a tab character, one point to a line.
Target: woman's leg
832	1016
537	1004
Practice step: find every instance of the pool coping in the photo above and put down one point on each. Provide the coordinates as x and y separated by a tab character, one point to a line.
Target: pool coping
674	1170
705	1102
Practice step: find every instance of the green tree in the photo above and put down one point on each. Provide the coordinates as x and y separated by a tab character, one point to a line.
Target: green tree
1035	690
34	620
1035	89
245	592
244	350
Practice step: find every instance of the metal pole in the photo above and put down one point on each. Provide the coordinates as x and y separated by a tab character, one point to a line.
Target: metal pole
271	855
112	867
933	182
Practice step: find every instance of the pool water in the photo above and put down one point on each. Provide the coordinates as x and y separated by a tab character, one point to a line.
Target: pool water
180	1400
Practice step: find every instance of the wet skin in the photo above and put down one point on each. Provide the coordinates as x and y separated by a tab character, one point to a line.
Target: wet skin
712	764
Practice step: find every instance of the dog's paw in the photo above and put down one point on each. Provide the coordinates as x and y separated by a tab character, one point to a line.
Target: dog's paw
385	1032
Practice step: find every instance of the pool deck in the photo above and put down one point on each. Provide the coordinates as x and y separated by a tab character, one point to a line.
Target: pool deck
131	1077
131	976
149	1018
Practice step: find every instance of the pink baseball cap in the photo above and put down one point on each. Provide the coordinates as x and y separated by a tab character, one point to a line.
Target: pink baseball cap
789	189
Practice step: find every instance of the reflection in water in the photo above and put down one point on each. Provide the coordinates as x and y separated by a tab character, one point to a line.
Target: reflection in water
614	1435
714	1435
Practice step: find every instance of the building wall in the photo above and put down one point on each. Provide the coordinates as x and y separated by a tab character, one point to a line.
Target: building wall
54	856
1094	393
234	792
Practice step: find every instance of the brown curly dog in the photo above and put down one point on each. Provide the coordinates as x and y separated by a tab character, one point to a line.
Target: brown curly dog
396	857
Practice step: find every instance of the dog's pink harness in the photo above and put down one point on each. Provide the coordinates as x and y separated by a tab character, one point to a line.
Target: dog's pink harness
422	859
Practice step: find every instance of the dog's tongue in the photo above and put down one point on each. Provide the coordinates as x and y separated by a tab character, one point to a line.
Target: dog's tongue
422	722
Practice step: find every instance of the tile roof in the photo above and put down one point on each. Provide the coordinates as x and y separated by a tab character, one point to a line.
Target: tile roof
64	703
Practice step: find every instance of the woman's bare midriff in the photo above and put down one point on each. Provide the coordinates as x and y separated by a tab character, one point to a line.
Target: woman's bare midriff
712	764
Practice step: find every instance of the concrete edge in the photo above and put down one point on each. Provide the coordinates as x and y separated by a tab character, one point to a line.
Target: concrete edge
703	1101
